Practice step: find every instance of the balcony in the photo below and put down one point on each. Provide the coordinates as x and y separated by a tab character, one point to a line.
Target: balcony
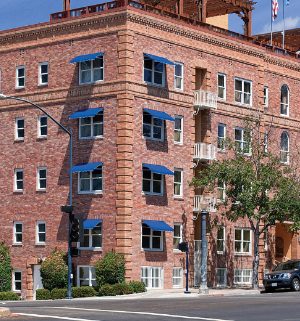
204	152
205	199
204	100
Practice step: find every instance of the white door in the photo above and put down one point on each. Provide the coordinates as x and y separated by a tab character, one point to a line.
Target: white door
37	280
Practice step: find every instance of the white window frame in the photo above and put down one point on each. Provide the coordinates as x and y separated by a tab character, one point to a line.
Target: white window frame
90	279
151	236
91	191
243	274
151	278
177	237
285	153
266	142
242	241
181	78
287	105
20	77
91	71
223	239
40	126
219	86
90	235
18	170
242	92
15	233
221	189
266	96
177	276
14	281
221	140
17	128
152	125
38	232
39	179
92	124
163	84
220	285
151	183
178	183
178	130
242	141
41	74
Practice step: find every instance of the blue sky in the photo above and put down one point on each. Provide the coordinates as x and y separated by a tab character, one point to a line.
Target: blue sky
16	13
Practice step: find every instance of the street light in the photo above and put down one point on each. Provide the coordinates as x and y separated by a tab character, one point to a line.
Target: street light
203	278
69	207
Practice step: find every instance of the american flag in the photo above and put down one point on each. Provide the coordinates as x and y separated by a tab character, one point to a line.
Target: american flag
275	8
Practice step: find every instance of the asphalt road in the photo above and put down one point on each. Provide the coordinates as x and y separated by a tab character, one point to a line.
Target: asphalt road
283	306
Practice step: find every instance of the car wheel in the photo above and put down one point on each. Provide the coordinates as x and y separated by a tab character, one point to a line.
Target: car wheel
296	284
269	290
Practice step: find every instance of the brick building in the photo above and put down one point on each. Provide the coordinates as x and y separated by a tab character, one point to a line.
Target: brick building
147	93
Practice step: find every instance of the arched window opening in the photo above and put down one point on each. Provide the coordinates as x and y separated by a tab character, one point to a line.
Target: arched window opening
284	148
284	100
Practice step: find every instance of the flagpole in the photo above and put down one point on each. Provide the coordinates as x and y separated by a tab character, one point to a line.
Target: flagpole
283	32
271	22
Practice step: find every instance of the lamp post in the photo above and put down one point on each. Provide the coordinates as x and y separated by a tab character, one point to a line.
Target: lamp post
203	277
69	207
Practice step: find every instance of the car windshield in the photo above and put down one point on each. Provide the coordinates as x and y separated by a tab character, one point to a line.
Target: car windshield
287	266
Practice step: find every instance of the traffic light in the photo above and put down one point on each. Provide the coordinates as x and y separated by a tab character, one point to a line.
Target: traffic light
74	232
183	246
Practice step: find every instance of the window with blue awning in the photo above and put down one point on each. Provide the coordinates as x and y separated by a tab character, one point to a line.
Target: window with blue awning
161	226
87	167
88	57
158	169
89	224
159	59
158	114
90	112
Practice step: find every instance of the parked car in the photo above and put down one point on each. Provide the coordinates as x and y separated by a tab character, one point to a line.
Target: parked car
285	275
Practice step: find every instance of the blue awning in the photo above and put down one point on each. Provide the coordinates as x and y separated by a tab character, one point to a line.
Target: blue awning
160	59
88	57
159	114
158	225
86	167
91	223
91	112
158	169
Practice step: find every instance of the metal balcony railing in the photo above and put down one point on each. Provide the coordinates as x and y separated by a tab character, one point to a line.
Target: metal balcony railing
205	100
203	151
205	199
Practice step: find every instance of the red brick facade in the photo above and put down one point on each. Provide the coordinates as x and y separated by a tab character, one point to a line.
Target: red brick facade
124	35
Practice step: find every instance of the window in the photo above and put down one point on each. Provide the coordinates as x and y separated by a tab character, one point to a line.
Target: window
221	240
152	182
42	178
91	71
221	277
266	97
152	277
243	276
153	128
42	126
40	232
221	191
266	140
222	86
151	240
178	130
177	235
154	72
90	182
178	76
91	127
18	233
43	73
86	276
92	238
242	140
20	129
243	91
284	148
221	136
242	241
19	180
178	188
20	77
17	281
177	278
284	100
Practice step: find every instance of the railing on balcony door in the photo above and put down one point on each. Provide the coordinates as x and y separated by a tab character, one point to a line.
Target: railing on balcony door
205	99
203	151
205	199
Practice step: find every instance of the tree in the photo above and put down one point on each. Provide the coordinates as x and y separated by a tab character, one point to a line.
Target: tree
5	268
258	186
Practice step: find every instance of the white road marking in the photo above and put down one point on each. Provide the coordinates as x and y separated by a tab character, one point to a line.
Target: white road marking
52	317
143	313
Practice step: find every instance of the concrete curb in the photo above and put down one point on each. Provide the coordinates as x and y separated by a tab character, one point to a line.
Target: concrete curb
4	312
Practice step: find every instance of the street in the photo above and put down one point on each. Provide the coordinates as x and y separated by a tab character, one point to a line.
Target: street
283	306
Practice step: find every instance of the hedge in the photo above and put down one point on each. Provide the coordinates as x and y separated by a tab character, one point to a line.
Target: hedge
58	294
83	292
122	288
9	296
107	290
43	294
137	286
5	268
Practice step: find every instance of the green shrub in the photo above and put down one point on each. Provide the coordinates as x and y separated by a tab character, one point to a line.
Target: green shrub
83	292
9	296
110	269
58	294
123	288
107	290
43	294
54	271
5	268
137	286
